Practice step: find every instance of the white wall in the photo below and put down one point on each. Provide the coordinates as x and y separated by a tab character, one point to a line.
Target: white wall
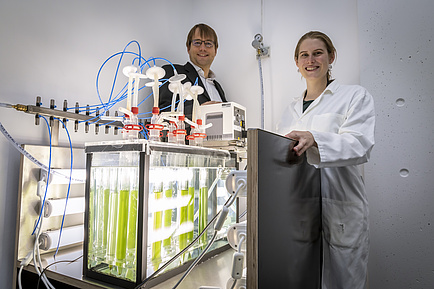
396	46
55	48
285	22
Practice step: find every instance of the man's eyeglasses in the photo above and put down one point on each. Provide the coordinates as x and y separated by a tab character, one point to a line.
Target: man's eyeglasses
198	43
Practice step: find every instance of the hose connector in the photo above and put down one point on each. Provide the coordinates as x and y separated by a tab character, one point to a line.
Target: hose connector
21	107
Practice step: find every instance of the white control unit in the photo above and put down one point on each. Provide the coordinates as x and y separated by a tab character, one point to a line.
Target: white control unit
228	121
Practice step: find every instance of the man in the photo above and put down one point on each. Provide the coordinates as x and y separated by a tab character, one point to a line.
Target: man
202	47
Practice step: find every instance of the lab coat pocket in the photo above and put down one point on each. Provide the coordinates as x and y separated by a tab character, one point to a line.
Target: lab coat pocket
343	223
327	122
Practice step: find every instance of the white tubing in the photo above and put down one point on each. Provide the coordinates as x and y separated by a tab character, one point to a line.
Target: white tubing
29	156
262	93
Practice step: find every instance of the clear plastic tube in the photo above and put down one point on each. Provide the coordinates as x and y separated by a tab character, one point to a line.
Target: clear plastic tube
30	157
171	136
7	105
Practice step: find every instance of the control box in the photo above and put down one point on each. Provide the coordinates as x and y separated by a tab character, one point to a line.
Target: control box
228	121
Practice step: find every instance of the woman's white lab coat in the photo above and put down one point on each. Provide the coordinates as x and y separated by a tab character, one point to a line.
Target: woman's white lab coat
342	121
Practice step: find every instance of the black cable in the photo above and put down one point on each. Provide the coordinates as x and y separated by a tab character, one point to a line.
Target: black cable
43	271
233	284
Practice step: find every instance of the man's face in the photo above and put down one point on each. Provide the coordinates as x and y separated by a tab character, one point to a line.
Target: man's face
202	55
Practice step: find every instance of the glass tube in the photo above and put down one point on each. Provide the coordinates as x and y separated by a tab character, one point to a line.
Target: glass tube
132	225
92	223
106	202
168	194
122	224
203	205
97	218
190	212
183	214
113	218
157	225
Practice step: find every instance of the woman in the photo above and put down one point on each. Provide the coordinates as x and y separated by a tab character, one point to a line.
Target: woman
334	125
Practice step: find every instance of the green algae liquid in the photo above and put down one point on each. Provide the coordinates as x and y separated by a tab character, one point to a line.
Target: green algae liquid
156	246
106	218
183	218
168	218
121	240
190	212
203	213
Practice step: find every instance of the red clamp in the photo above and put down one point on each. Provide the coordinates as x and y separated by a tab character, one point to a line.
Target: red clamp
154	126
133	127
180	131
199	135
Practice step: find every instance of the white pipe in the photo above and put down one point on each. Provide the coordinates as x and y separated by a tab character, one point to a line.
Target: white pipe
57	207
70	235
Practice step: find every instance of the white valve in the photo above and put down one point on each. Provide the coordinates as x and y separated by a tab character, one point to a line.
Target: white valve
235	233
177	78
155	72
197	90
128	70
233	182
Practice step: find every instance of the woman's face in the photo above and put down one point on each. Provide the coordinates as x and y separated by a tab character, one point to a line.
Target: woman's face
313	59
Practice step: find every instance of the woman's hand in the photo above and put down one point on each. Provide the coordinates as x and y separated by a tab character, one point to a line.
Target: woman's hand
305	140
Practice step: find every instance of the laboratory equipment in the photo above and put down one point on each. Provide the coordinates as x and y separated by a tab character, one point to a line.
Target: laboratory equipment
228	121
145	202
236	184
29	202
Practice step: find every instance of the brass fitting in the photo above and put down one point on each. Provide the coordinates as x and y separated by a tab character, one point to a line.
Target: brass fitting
20	107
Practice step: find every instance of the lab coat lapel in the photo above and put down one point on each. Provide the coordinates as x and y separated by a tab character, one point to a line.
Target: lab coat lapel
330	89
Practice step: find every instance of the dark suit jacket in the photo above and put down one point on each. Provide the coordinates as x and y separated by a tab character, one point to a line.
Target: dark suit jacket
191	73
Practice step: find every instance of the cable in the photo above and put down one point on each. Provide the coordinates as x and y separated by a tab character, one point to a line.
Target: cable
25	262
243	214
19	277
119	63
69	186
182	251
233	284
223	214
62	261
48	177
122	95
38	225
36	253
